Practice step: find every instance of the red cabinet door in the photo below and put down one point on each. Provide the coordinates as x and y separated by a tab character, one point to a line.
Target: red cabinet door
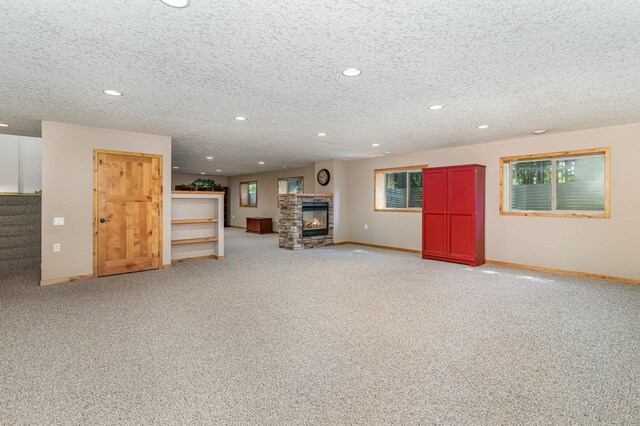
461	196
434	208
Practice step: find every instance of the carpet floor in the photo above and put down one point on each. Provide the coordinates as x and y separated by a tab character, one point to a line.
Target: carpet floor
338	335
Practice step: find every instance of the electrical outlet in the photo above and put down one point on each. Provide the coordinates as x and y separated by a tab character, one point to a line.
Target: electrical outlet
58	221
56	247
366	226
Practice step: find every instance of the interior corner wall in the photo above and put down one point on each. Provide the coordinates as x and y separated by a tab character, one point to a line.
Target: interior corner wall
267	193
597	246
67	180
20	164
338	186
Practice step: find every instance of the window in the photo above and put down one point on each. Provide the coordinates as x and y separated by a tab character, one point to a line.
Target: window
573	183
292	185
249	194
398	189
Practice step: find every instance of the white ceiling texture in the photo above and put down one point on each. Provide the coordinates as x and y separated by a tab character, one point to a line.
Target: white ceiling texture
514	65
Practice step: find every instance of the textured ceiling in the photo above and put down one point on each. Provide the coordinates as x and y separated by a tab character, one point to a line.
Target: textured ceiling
517	66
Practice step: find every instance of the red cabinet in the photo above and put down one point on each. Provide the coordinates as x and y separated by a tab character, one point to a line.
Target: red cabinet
453	214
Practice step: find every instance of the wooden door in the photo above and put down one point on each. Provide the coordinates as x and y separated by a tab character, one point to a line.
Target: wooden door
128	213
434	209
461	189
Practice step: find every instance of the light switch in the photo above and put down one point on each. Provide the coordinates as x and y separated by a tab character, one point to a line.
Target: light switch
58	221
56	247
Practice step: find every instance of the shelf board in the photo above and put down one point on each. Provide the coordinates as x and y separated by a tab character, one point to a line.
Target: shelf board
199	192
194	241
187	221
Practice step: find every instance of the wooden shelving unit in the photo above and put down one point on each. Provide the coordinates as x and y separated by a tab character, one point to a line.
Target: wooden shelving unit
197	230
188	221
194	241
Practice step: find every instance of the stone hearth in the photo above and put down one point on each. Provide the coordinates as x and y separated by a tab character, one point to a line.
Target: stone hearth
290	221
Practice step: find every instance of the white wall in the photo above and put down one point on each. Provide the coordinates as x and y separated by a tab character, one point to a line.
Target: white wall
267	193
20	164
182	179
67	173
9	163
599	246
338	186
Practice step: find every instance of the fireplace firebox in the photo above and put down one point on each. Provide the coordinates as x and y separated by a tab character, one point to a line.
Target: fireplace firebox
315	219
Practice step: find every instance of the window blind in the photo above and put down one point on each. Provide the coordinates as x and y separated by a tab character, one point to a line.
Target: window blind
531	185
580	184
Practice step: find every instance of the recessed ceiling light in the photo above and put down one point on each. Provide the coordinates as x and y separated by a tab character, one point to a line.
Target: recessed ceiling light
218	170
483	126
284	167
180	4
539	132
260	162
4	125
239	118
435	107
202	173
176	167
322	134
209	158
387	153
375	145
352	72
112	92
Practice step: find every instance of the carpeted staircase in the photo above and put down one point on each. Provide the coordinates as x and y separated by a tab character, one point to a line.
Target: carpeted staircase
20	223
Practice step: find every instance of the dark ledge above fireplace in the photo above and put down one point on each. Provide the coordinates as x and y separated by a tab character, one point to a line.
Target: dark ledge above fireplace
305	221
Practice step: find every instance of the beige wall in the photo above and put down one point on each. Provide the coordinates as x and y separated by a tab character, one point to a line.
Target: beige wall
600	246
338	186
67	177
267	193
179	178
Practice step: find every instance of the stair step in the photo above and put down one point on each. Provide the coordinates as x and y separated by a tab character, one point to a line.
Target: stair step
20	199
30	239
13	265
12	209
19	252
17	230
21	219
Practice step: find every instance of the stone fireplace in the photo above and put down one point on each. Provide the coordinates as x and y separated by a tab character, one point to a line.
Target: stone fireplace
305	221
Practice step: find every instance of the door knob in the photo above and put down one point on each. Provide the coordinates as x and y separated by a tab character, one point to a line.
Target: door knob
103	220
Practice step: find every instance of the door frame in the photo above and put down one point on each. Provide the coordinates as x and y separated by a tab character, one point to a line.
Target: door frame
96	152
